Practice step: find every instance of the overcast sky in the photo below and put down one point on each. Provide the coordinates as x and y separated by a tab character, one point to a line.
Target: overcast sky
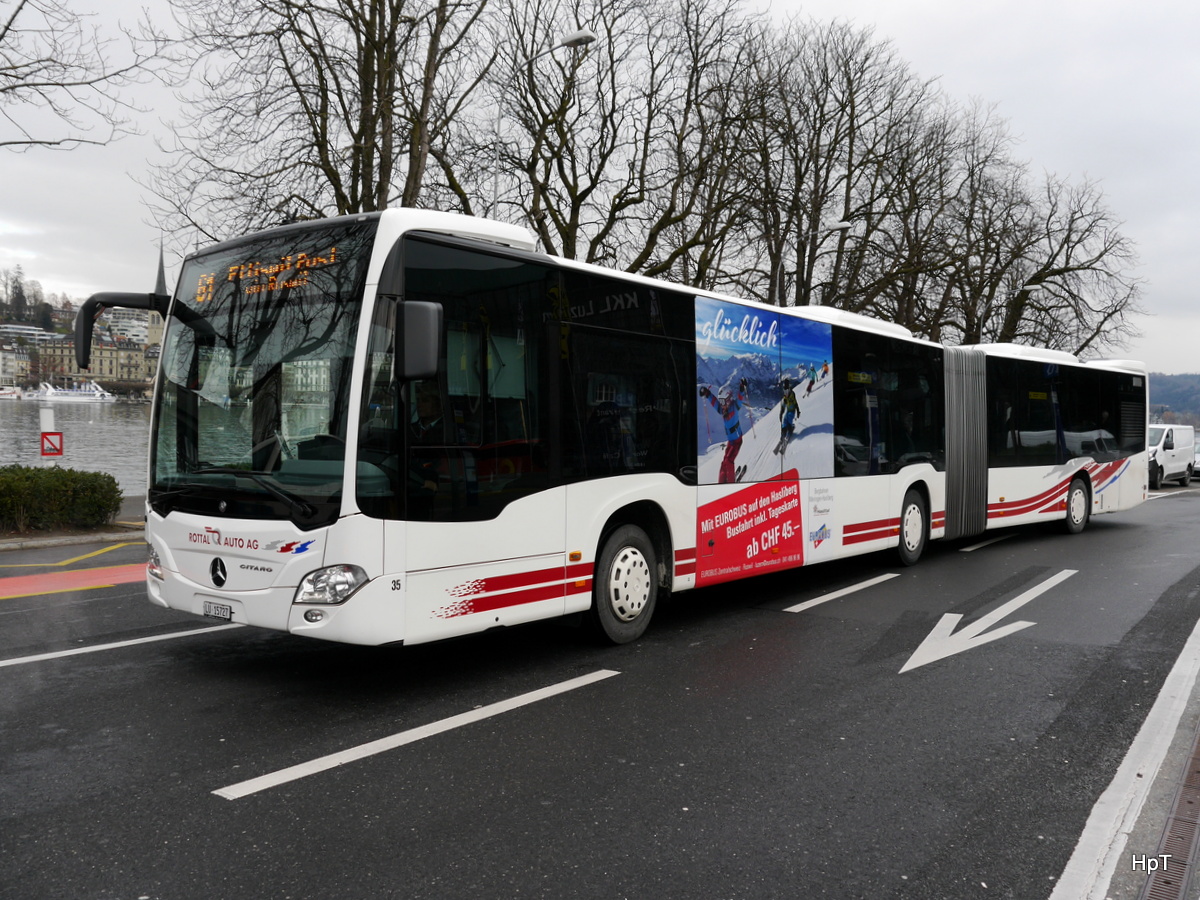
1091	88
1104	89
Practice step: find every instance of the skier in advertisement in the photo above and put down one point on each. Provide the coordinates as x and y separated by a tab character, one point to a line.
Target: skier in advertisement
789	411
812	378
729	406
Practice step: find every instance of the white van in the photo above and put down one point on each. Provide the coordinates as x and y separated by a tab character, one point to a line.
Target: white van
1172	454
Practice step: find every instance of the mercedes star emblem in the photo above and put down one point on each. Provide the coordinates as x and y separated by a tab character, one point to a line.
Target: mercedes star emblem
217	570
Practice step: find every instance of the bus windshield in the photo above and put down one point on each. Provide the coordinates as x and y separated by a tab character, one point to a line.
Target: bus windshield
254	384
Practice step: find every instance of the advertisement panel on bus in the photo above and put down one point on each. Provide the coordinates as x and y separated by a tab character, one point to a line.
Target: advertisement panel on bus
764	424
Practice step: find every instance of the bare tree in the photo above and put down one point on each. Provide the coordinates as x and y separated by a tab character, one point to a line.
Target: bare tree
1076	292
307	108
60	80
691	140
623	150
949	238
833	114
987	230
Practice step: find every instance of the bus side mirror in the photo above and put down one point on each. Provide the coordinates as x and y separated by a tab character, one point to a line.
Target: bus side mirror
95	305
422	322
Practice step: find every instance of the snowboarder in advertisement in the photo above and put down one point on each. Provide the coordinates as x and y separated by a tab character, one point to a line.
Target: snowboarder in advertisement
729	406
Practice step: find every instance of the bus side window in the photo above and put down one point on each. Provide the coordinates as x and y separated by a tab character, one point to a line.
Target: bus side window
627	396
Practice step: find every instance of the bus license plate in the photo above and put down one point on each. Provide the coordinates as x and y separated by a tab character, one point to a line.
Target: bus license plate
218	611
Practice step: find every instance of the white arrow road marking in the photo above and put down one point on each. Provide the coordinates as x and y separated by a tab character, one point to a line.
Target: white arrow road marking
941	643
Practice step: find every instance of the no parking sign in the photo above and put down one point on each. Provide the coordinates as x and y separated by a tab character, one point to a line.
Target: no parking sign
52	443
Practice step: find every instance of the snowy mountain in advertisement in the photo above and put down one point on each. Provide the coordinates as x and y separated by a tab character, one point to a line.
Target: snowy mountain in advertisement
760	371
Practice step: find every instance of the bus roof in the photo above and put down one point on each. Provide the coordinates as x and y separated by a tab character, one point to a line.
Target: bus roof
1023	351
458	225
517	237
455	225
1043	354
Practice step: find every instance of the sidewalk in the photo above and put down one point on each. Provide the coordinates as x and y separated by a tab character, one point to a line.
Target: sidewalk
129	524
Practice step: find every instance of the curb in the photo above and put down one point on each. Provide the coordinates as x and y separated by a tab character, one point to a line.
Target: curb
130	522
135	531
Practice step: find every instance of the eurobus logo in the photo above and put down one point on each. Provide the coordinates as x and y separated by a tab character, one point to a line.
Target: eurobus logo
820	535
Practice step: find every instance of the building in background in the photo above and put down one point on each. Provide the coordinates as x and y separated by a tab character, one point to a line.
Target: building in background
14	364
124	355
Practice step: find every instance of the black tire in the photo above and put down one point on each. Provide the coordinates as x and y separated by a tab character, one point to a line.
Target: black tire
914	527
1187	477
1079	507
1156	474
624	586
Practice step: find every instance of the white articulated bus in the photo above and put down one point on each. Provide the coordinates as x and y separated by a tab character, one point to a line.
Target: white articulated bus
408	425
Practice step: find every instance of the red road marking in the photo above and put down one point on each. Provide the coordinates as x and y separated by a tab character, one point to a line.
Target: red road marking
76	580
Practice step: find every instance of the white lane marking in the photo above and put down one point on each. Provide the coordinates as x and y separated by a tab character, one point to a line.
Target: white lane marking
333	760
20	660
824	598
1102	844
983	544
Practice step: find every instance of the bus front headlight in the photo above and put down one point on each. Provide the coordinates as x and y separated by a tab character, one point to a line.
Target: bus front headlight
331	585
154	566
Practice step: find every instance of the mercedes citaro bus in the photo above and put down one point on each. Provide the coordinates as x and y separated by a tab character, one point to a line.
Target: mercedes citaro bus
408	425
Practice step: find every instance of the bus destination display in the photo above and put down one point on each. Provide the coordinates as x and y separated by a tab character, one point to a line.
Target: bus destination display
255	277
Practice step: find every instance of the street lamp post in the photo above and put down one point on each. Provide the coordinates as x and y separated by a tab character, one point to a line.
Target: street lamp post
836	228
579	38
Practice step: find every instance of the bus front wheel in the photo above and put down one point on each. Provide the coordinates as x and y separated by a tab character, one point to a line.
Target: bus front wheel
624	586
914	527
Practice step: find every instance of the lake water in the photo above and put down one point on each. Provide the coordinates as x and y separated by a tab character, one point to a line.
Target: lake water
97	437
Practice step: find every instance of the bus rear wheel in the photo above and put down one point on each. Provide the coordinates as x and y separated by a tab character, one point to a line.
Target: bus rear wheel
914	527
624	586
1078	508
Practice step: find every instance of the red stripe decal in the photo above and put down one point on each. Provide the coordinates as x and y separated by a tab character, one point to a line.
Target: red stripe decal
465	606
506	582
870	536
878	530
504	591
1028	503
1053	500
1043	502
871	526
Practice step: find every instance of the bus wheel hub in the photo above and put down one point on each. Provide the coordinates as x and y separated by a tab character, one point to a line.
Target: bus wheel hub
629	584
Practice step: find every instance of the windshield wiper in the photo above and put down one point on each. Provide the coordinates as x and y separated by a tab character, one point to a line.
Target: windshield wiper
295	503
